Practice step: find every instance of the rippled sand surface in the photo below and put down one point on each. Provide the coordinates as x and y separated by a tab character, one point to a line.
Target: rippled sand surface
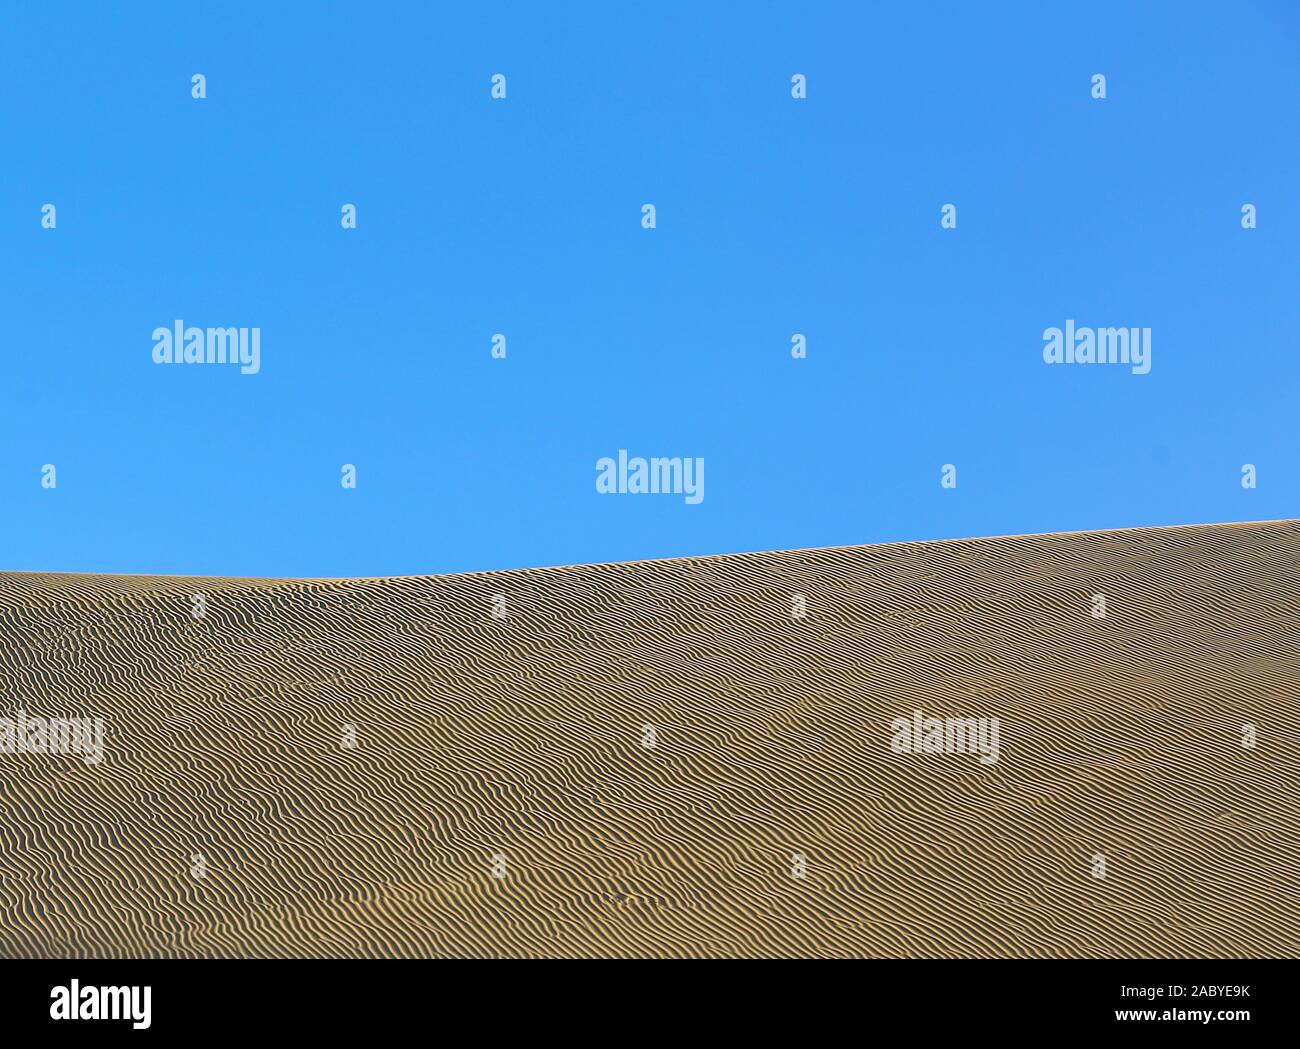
637	759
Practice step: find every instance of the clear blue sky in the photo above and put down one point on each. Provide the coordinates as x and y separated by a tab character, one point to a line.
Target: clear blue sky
523	216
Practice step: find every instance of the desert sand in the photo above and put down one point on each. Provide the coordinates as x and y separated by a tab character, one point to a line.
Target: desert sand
661	759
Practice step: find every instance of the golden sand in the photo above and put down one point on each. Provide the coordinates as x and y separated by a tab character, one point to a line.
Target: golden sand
638	759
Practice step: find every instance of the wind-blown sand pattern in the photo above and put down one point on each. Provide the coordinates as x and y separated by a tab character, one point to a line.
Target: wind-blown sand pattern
522	738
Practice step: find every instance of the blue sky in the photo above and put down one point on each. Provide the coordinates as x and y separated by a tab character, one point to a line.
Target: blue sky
523	216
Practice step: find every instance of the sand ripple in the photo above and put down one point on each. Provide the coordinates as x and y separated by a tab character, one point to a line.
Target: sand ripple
523	739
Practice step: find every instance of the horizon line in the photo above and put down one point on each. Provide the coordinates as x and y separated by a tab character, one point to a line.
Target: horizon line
658	560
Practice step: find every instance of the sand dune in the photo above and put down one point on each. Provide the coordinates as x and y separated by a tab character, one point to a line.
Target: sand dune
644	751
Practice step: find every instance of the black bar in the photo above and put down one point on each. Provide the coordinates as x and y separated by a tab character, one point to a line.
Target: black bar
342	999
